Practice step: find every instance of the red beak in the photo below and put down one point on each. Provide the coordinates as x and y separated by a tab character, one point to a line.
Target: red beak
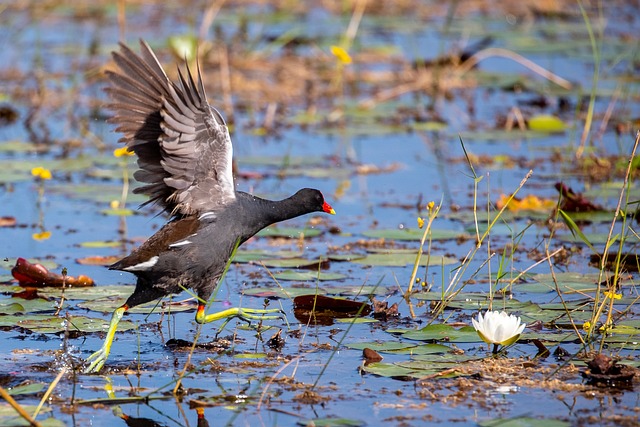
328	209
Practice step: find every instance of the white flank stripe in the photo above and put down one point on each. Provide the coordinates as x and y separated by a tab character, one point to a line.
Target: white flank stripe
143	265
207	215
182	243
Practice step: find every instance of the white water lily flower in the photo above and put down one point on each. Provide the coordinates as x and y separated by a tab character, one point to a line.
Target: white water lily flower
498	327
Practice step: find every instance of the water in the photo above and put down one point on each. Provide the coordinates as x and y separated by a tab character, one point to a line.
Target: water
50	48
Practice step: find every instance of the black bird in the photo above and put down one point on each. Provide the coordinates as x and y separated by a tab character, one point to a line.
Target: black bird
184	158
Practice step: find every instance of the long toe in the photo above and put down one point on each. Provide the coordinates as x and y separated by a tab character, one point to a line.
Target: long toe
97	360
249	314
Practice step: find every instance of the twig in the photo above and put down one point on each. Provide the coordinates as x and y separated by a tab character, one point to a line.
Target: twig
52	386
19	409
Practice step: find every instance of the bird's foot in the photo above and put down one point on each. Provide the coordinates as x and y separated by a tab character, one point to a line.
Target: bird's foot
97	360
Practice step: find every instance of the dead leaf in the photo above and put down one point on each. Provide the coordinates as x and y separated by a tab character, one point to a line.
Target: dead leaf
37	275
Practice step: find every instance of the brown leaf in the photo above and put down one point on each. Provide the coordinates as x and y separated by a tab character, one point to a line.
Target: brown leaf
382	311
371	356
37	275
7	221
575	202
323	310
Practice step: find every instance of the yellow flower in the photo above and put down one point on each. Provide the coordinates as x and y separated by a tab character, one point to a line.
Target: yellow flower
43	235
586	326
342	55
41	173
612	295
115	204
430	205
122	151
420	222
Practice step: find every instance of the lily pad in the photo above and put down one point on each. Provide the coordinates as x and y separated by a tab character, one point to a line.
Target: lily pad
546	123
440	332
392	370
27	389
308	275
262	254
414	234
273	292
331	422
108	304
387	346
524	422
52	325
290	232
403	259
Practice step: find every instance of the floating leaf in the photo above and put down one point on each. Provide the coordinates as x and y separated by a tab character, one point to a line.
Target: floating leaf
108	304
118	212
98	260
403	259
387	346
308	275
414	234
101	244
290	232
272	292
546	123
524	422
331	422
262	254
27	389
345	257
440	332
23	306
392	370
47	324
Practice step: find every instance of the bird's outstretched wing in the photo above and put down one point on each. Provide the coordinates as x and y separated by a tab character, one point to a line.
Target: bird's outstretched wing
182	143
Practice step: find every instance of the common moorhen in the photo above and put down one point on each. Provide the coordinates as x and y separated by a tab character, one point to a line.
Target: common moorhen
184	155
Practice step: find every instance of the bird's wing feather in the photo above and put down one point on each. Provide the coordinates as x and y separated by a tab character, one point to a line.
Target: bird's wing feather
183	145
171	233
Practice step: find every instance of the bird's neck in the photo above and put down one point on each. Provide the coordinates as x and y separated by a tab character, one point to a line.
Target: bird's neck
272	211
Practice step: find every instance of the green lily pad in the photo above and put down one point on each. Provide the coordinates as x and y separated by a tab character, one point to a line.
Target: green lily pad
509	305
101	244
274	292
355	320
243	256
89	293
355	290
308	275
403	259
381	346
109	304
524	422
331	422
414	234
290	232
345	257
439	332
52	325
428	348
292	263
118	212
23	306
391	370
27	389
546	123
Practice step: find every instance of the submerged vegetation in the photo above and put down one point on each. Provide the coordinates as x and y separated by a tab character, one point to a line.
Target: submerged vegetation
481	156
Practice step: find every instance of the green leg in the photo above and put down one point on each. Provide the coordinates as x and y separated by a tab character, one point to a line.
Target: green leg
246	314
98	358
